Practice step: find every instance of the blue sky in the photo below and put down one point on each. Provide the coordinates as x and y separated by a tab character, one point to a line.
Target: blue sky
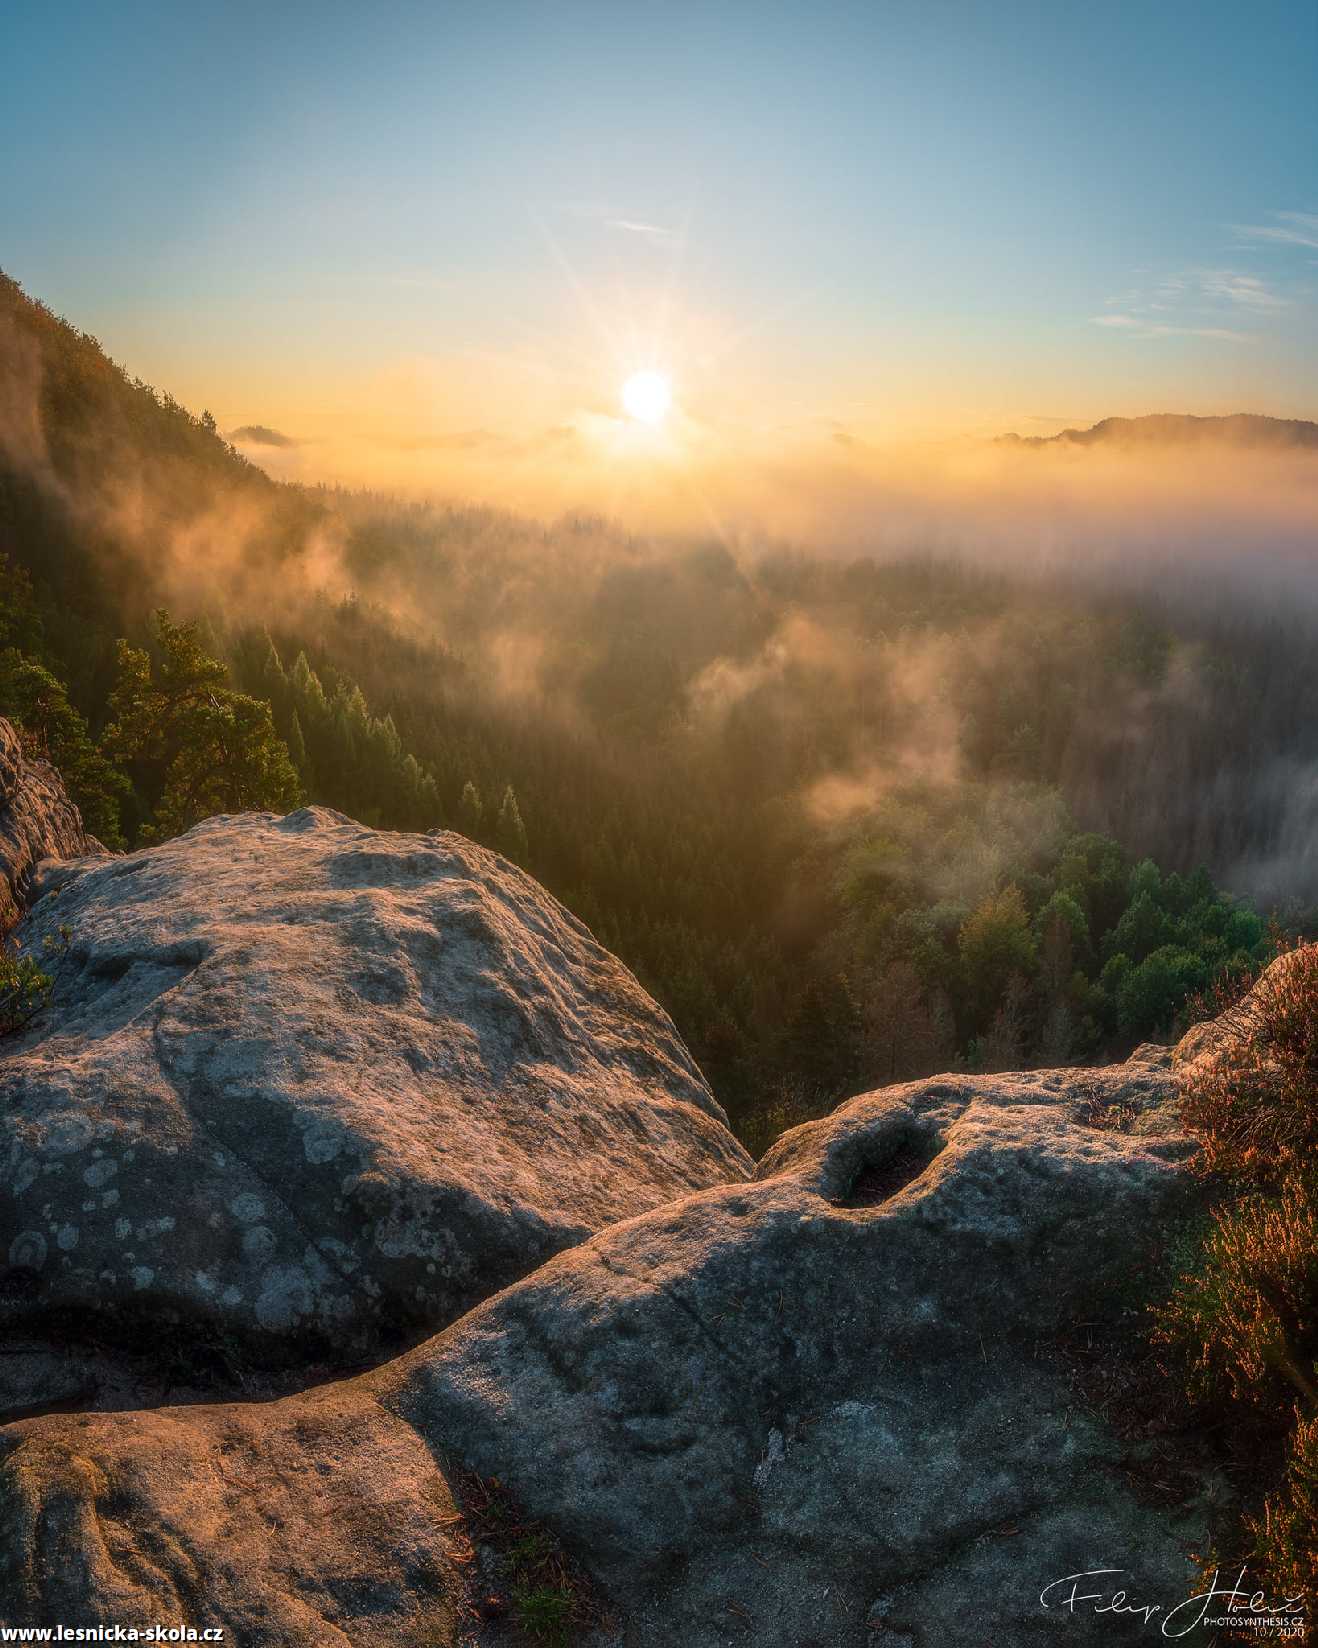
905	212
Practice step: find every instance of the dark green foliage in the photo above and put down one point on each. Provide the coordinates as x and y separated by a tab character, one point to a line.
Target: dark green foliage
20	621
200	747
31	697
996	944
24	990
345	756
1019	957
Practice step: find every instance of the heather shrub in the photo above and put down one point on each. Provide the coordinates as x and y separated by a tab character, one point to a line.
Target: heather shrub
1242	1320
1254	1106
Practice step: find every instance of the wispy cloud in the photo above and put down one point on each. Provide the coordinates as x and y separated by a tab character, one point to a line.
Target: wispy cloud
1194	303
647	231
1138	326
1245	291
1286	229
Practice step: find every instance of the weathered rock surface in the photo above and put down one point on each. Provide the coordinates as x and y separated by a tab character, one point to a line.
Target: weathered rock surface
774	1409
1236	1032
37	820
817	1408
319	1522
308	1083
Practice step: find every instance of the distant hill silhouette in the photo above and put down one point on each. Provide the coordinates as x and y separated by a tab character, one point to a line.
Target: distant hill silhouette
1181	429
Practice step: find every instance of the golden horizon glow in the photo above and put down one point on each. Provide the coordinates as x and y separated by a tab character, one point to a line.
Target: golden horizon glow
647	396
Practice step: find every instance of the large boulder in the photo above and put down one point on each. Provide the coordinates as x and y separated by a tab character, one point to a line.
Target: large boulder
833	1399
821	1408
310	1087
37	820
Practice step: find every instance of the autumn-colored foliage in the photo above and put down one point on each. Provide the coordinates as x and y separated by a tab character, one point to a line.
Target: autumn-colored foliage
1253	1103
1243	1317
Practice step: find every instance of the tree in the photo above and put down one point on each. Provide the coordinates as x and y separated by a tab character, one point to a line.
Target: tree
903	1034
1150	994
510	832
470	810
995	943
1002	1047
20	623
1063	934
297	746
206	748
32	697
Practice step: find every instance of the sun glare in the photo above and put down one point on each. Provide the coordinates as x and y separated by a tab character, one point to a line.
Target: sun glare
646	396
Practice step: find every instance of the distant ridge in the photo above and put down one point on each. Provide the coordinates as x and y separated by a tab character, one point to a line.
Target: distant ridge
1179	429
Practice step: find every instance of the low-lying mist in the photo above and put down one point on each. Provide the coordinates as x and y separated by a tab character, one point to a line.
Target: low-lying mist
1126	620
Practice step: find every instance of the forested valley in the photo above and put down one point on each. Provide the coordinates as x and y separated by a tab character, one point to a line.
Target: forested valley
850	819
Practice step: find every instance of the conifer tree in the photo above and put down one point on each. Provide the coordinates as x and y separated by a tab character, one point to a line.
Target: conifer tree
510	832
469	810
204	747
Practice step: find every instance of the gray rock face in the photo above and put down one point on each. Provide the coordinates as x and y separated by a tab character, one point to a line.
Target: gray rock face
304	1082
37	820
807	1410
812	1409
770	1410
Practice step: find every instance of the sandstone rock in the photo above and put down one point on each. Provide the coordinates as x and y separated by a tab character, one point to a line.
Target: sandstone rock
1156	1054
817	1408
318	1522
759	1410
1206	1045
37	820
310	1084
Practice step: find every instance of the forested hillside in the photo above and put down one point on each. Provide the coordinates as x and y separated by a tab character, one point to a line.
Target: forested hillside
849	821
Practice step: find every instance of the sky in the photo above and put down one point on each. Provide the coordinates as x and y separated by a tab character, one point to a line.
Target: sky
433	240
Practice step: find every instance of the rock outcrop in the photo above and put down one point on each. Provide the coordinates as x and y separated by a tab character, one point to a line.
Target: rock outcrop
825	1400
308	1084
37	820
306	1087
814	1409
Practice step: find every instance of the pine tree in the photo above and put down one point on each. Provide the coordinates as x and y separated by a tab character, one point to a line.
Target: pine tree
469	810
297	749
510	832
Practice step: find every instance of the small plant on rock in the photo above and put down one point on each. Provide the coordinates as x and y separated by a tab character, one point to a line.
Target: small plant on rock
539	1587
26	987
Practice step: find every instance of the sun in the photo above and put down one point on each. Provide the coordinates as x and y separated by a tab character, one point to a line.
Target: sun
647	396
